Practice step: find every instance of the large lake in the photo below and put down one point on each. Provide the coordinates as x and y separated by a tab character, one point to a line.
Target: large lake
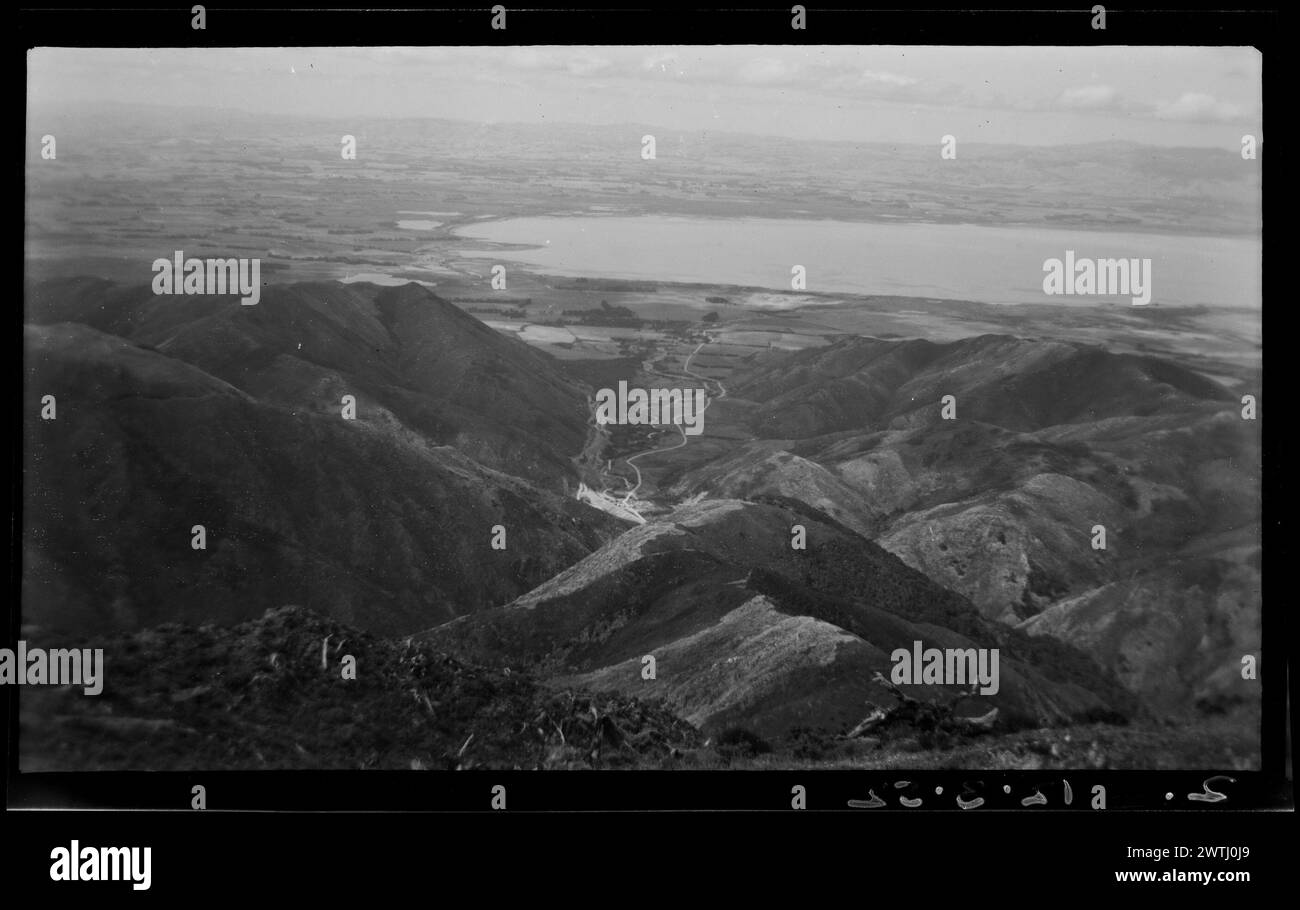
964	261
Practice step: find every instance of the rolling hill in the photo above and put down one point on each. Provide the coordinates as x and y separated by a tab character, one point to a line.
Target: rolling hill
747	631
402	352
1000	504
367	520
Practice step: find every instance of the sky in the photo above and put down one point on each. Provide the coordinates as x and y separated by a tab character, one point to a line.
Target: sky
1174	96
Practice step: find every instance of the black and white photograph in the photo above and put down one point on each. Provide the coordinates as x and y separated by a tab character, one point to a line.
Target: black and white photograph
570	408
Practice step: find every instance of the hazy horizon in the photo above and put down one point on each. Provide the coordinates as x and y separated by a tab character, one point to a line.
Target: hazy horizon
612	125
1160	96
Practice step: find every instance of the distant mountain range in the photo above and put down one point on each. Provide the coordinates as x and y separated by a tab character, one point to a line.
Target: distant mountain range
1120	186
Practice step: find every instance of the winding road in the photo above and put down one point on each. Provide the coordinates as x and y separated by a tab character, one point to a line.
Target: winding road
627	500
708	400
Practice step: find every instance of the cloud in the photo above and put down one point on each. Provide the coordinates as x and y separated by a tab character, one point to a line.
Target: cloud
588	65
662	62
1090	98
871	78
1198	107
841	78
528	58
769	71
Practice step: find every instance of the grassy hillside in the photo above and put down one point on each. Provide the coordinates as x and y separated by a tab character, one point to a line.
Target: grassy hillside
365	520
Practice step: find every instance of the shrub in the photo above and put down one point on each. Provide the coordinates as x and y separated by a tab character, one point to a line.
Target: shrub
739	742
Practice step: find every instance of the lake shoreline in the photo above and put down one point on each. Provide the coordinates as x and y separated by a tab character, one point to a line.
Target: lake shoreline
999	265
